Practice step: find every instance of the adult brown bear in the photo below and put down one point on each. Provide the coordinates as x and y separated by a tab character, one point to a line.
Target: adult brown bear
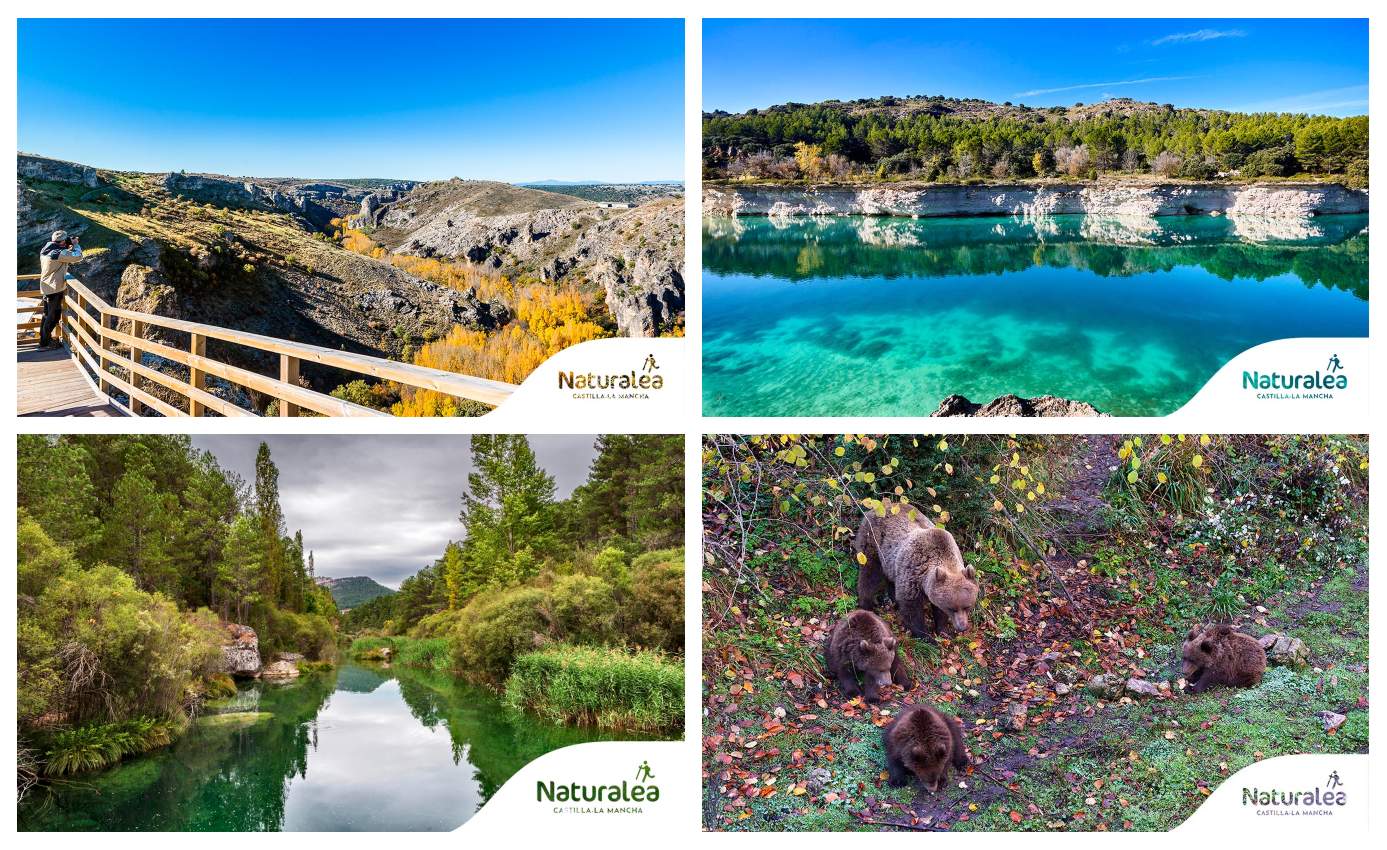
1216	655
922	567
861	648
923	742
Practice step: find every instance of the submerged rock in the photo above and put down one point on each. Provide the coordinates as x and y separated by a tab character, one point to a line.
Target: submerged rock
1014	405
234	719
241	650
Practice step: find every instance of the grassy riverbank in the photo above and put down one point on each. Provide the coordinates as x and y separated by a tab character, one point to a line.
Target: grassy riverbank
573	609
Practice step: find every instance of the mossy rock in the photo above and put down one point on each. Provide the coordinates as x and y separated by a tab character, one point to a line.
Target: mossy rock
234	719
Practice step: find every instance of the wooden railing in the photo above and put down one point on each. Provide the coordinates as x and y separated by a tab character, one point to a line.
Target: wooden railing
110	343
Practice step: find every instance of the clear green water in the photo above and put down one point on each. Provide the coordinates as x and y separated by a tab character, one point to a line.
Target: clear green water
355	749
862	316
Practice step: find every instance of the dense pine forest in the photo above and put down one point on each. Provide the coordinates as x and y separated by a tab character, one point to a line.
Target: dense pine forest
958	140
574	607
134	552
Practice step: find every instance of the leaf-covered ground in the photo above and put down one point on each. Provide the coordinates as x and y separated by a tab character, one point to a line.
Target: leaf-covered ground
782	749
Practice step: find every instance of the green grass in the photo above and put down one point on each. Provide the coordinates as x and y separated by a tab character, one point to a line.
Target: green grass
427	653
609	688
95	746
371	648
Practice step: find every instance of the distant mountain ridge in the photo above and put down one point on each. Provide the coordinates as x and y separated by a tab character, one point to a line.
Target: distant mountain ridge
353	591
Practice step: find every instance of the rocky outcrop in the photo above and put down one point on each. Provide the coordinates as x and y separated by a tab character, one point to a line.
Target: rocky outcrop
316	203
1013	405
645	299
241	650
280	670
635	255
1135	200
58	171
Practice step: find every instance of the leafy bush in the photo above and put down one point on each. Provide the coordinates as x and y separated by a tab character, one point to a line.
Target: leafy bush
496	627
584	609
640	691
655	612
439	624
312	635
93	646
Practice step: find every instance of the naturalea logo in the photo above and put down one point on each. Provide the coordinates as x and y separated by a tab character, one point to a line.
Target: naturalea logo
1316	802
1319	384
633	384
601	799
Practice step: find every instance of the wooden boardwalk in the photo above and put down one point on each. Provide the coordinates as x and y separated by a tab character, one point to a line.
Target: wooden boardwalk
49	383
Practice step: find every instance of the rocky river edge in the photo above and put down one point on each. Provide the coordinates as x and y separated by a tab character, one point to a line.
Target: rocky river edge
1117	199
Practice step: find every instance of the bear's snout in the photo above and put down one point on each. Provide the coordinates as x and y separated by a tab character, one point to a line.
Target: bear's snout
959	619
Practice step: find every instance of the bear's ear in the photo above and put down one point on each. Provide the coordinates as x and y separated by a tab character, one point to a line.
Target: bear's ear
890	643
1225	629
865	644
970	573
1205	646
940	750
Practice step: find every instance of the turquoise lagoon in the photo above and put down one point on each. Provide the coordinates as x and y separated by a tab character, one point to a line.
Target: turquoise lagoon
871	316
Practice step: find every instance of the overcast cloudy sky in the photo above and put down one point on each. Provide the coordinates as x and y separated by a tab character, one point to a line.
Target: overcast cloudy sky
381	506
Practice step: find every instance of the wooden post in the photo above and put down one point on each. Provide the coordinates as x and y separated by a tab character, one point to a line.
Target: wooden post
137	331
105	347
197	346
289	374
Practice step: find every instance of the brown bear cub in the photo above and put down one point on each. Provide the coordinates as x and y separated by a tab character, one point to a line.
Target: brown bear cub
861	648
923	742
922	568
1221	655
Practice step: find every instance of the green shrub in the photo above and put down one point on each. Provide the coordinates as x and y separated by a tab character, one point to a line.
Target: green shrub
440	624
655	612
1356	176
610	565
610	688
94	647
584	609
218	686
311	635
497	626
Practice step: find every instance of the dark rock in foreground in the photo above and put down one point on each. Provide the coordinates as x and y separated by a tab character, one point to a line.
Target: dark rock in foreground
1014	405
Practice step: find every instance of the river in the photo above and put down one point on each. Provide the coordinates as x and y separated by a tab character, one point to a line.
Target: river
357	748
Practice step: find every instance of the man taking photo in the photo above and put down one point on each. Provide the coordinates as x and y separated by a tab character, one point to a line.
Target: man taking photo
60	252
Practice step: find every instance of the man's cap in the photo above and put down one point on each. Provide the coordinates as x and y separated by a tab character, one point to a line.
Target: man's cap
59	235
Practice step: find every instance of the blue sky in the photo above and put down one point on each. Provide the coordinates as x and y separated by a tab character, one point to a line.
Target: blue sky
487	99
1318	66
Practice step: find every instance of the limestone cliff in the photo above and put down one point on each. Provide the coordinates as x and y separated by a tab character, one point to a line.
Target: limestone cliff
636	256
1269	201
